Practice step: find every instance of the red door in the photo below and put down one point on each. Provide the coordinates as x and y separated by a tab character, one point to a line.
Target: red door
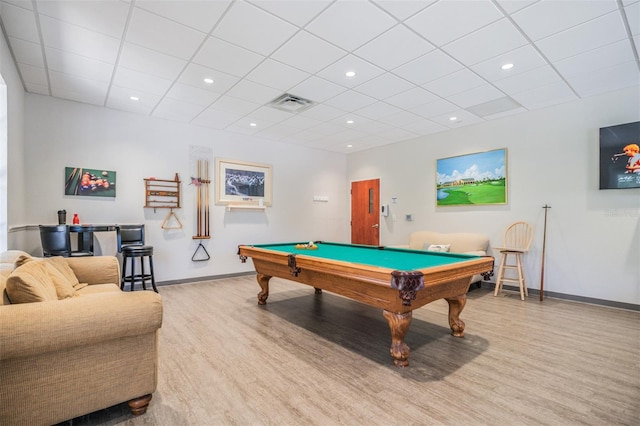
365	212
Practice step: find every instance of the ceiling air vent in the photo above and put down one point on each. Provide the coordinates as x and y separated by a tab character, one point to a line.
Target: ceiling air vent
291	103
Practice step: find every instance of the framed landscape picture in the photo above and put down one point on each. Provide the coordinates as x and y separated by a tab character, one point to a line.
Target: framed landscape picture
472	179
89	182
243	183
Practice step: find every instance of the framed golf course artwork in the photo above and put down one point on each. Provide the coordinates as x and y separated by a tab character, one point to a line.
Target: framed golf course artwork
472	179
79	181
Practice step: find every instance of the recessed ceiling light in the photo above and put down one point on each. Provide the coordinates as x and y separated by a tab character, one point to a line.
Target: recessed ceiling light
349	146
208	80
134	98
507	66
453	118
350	73
252	124
349	121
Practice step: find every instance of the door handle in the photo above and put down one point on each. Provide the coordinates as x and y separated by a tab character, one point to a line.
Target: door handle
375	226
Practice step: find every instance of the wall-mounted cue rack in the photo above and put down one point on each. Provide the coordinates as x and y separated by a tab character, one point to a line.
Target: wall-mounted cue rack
163	194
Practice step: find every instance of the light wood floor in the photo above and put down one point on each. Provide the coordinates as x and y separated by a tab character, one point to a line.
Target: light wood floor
306	359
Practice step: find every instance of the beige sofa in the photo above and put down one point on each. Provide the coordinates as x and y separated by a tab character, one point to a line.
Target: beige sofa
95	348
460	242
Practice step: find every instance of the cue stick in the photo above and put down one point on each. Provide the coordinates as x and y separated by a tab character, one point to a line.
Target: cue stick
198	202
544	247
206	198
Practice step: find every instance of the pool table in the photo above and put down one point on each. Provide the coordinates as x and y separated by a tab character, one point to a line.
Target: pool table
393	279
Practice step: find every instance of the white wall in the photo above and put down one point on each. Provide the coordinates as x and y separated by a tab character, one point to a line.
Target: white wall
12	201
63	134
593	236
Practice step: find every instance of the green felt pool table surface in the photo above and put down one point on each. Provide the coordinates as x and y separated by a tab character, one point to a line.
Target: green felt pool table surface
383	257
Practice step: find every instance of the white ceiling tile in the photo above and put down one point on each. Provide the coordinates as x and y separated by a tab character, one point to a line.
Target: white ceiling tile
524	58
194	75
350	24
301	122
172	109
278	131
350	101
549	17
544	96
429	67
603	57
253	92
270	115
400	118
61	81
633	17
27	52
317	89
590	35
85	96
636	42
200	15
463	118
149	61
254	29
234	105
119	98
476	96
605	79
425	127
19	23
542	76
40	89
35	75
402	9
459	81
377	110
384	86
298	12
308	53
398	134
216	119
81	66
411	98
277	75
485	43
132	79
80	41
434	109
237	61
163	35
106	17
185	93
322	112
394	48
24	4
511	6
243	127
448	20
364	71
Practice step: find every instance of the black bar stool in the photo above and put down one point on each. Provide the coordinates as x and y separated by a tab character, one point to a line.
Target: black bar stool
131	245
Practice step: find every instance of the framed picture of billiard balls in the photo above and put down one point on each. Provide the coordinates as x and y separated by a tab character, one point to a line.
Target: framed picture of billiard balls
82	182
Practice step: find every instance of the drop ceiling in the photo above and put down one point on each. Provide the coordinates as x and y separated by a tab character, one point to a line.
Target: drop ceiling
421	67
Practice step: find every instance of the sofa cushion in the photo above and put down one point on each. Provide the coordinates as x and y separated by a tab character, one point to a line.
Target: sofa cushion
7	265
30	283
63	267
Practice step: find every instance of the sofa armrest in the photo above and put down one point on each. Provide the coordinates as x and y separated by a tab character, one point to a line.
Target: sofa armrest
34	328
96	269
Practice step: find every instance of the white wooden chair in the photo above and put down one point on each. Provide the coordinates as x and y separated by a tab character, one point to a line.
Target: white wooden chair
516	241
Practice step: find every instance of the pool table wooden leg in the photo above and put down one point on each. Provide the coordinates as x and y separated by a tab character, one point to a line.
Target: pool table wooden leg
399	325
456	305
263	281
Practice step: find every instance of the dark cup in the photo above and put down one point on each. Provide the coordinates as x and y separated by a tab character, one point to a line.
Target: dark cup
62	217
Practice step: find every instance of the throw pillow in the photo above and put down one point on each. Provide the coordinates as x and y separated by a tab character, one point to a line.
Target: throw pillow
61	265
30	283
64	288
439	247
22	259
